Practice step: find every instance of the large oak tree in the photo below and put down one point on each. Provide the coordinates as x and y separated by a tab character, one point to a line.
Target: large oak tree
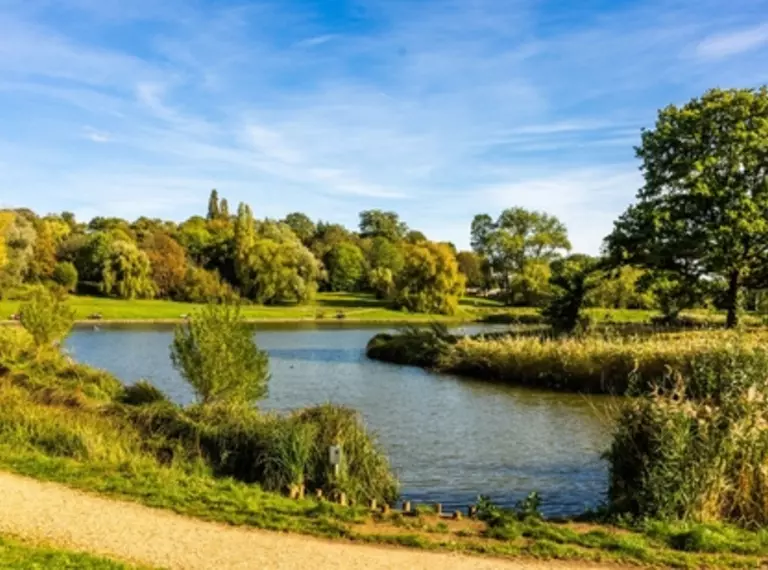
703	210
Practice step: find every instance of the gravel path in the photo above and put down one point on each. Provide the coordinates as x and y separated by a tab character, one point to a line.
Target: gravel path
68	518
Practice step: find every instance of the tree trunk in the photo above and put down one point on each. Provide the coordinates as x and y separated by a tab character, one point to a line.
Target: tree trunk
732	301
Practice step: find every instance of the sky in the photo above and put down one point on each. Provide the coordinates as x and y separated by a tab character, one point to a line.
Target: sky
435	109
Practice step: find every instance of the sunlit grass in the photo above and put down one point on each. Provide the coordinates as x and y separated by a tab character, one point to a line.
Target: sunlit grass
20	555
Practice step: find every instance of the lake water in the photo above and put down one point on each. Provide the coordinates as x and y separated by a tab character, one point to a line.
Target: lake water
449	439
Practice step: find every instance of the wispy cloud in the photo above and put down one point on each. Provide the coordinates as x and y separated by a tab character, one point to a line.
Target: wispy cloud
733	43
439	109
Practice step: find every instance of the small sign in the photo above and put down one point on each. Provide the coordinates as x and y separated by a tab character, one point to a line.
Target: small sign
334	454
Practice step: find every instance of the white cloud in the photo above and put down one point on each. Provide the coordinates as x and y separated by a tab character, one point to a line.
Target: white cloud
96	135
733	43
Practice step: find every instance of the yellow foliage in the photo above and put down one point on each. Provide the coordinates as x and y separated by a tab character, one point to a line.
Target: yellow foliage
6	220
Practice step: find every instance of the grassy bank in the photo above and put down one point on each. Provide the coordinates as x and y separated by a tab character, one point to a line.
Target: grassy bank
70	424
21	555
592	364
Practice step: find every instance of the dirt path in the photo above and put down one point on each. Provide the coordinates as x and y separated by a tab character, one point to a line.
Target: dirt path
68	518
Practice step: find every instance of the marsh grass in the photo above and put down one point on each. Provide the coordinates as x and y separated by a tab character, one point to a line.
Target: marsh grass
697	450
591	364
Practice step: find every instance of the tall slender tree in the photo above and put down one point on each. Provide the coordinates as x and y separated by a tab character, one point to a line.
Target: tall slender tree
214	210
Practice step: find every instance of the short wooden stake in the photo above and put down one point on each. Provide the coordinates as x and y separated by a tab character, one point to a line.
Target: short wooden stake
319	494
372	504
457	516
384	509
439	509
472	511
343	499
406	507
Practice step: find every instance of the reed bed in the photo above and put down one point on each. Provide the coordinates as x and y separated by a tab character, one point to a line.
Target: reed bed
592	364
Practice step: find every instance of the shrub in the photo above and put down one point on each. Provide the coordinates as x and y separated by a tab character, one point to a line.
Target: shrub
412	346
697	451
215	352
142	393
46	316
65	274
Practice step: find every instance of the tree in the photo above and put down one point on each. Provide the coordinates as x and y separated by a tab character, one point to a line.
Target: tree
382	282
346	267
430	281
384	254
202	286
572	280
169	264
214	210
531	285
376	223
43	260
245	239
46	317
703	210
302	226
215	352
415	236
88	253
6	219
127	272
517	238
471	265
224	209
621	288
65	275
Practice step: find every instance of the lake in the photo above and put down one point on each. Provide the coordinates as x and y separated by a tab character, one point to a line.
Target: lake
449	439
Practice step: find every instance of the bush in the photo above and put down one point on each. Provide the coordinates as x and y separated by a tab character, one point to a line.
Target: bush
697	451
46	317
215	352
142	393
412	345
65	275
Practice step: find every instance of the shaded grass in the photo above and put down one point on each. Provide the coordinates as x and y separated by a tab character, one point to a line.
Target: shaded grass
20	555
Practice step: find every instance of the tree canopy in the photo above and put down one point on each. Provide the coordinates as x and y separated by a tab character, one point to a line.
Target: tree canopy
703	210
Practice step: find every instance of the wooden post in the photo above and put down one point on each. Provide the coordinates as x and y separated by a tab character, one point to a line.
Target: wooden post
439	509
385	509
472	511
319	494
457	516
343	499
406	507
372	504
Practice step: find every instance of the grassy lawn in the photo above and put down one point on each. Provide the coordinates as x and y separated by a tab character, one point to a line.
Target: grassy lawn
327	306
20	555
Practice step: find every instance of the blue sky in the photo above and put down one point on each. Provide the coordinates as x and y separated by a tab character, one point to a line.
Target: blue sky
437	109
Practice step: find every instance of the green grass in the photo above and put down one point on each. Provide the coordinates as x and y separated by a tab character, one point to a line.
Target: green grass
19	555
327	307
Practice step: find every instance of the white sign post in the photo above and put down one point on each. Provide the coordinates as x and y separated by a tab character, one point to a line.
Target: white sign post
334	456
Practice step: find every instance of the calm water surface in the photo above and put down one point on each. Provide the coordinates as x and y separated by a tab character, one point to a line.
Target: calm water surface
449	439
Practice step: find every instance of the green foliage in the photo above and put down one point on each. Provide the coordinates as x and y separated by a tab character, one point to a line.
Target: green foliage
302	226
376	223
471	265
516	239
572	279
215	352
127	272
623	288
430	281
345	264
412	345
201	286
46	317
703	211
65	275
142	393
168	261
697	450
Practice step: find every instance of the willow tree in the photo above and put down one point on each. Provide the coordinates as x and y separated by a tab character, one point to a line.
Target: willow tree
703	210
